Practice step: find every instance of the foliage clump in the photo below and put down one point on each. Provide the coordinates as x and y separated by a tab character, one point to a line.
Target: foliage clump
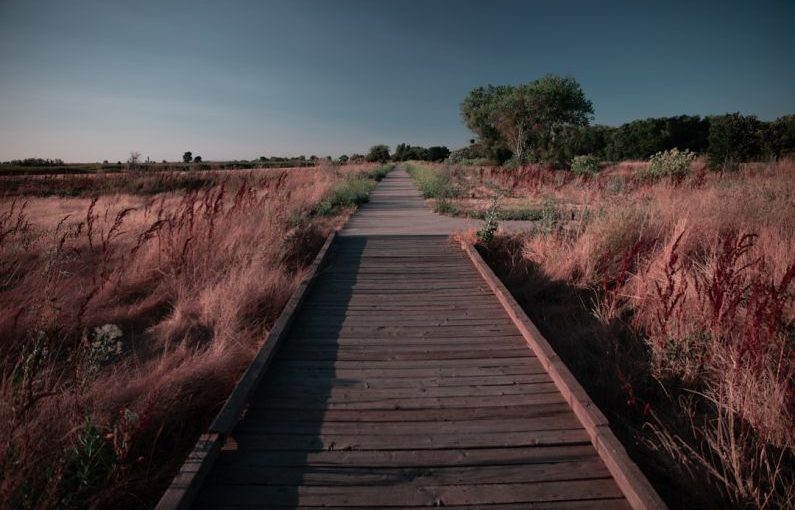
523	119
672	163
433	183
490	223
378	153
349	192
585	165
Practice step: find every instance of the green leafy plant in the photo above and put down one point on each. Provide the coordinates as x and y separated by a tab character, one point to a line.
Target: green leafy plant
88	463
671	163
585	165
433	183
491	221
350	192
380	172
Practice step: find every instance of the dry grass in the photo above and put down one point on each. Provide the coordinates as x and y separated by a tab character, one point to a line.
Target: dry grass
126	321
674	303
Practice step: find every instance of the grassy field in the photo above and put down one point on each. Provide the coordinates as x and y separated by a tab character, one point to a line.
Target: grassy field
672	301
130	311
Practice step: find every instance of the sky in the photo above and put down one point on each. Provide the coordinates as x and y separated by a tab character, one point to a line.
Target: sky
89	80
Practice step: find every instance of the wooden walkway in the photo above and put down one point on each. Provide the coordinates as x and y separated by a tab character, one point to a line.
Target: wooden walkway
404	381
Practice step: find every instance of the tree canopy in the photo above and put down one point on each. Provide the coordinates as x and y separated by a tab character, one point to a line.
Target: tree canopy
525	118
406	152
379	153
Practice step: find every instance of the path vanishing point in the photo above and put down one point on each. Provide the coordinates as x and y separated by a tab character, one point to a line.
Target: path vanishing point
402	374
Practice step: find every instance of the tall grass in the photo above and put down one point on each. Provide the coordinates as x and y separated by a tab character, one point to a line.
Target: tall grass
433	182
352	190
674	303
127	320
379	172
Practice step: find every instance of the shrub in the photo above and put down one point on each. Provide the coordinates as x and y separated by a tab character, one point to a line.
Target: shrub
585	165
350	192
380	172
433	183
444	206
490	223
673	163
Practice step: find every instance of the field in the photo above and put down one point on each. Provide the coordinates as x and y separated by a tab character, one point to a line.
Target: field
135	300
673	302
131	304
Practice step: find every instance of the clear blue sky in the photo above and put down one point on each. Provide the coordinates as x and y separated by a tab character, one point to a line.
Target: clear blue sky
91	80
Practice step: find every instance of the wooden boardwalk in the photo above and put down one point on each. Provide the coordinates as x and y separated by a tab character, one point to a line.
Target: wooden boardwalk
404	381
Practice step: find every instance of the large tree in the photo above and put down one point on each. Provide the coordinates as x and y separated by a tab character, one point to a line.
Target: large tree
477	111
378	153
526	117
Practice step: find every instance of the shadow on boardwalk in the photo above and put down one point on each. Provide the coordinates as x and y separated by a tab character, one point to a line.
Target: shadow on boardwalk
274	445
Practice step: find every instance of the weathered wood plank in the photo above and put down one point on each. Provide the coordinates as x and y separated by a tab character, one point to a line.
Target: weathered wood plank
344	476
413	364
532	455
389	415
397	355
329	371
346	394
290	380
308	402
428	495
563	419
582	504
316	442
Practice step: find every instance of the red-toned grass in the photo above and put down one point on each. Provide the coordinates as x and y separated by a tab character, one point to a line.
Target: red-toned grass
188	284
674	303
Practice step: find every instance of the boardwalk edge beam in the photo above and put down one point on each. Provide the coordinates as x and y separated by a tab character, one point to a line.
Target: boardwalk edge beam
636	488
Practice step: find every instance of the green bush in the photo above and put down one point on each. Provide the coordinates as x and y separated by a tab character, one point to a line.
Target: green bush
673	163
87	465
490	223
585	165
380	172
350	192
433	183
378	153
444	206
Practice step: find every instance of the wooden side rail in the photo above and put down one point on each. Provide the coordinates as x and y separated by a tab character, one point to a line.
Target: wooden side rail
636	488
186	484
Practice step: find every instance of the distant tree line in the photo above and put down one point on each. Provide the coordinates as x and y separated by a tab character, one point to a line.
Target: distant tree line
547	120
405	152
35	162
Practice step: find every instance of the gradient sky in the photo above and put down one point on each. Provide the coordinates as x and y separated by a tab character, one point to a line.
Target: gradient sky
91	80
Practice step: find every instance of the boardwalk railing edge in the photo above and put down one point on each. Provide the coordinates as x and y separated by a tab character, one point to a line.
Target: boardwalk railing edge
636	488
185	485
